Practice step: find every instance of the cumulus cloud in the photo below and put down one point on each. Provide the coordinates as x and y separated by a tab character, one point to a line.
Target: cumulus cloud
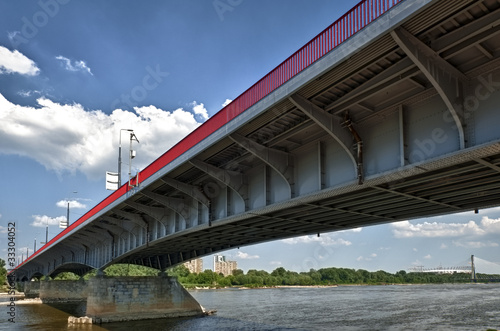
246	256
77	65
68	138
227	102
491	225
16	62
475	244
28	93
200	111
355	230
428	257
368	258
405	229
72	204
325	240
44	220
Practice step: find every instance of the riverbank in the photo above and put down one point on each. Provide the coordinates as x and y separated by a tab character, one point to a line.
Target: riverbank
191	287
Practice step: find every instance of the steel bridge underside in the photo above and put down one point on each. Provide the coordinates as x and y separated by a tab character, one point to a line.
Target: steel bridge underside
403	127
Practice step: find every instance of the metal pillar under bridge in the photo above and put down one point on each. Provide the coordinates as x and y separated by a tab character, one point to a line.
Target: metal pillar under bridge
473	270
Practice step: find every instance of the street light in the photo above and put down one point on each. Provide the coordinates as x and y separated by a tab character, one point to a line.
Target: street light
131	155
120	154
65	224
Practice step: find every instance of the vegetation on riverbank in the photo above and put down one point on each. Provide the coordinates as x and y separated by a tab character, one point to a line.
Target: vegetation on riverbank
321	277
278	277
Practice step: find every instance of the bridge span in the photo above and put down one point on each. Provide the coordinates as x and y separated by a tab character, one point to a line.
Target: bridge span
389	114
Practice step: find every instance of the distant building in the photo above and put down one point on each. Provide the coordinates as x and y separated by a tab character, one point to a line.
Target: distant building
195	266
223	266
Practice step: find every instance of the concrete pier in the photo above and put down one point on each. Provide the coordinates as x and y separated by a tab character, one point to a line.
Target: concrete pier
114	299
31	290
137	298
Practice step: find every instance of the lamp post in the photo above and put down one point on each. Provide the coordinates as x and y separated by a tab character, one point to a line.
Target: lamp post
120	154
46	234
131	155
63	224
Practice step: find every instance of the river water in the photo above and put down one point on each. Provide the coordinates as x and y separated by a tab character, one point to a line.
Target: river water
416	307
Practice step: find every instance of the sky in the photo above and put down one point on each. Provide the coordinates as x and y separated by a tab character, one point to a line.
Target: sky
73	73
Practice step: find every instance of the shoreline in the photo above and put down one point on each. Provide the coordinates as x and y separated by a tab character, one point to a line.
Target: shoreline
201	288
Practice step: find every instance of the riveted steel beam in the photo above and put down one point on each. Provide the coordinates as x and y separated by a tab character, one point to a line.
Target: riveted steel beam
232	179
117	230
444	77
328	122
157	213
191	190
180	206
134	218
488	164
123	224
280	161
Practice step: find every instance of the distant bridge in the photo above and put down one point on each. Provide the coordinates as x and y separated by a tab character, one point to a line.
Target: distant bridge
468	269
391	113
442	270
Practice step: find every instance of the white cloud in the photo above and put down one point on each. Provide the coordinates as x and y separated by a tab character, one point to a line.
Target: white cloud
475	244
491	225
42	221
68	138
200	111
428	257
355	230
227	102
75	65
325	240
405	229
443	246
246	256
16	62
275	263
3	229
28	93
72	204
415	249
369	258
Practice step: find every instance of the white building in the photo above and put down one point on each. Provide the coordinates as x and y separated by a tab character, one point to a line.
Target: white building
223	266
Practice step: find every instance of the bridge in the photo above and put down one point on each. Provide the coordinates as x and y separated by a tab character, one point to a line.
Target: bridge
466	267
391	113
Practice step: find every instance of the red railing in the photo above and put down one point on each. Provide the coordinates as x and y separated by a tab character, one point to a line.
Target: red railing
350	23
342	29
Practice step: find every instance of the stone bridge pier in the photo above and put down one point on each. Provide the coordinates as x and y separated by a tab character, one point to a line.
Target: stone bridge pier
115	299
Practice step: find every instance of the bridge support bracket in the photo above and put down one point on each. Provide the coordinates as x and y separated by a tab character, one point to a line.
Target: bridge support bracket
280	161
444	77
232	179
335	127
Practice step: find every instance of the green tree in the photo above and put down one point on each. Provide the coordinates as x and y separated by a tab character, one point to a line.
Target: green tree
3	273
237	272
67	276
279	272
178	271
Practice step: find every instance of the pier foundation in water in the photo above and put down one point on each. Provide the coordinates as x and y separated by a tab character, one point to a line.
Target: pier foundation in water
115	299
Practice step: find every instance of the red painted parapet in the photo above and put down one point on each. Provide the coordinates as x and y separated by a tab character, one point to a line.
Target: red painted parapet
345	27
350	23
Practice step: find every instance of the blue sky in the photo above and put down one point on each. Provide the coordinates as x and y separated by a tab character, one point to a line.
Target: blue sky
72	73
